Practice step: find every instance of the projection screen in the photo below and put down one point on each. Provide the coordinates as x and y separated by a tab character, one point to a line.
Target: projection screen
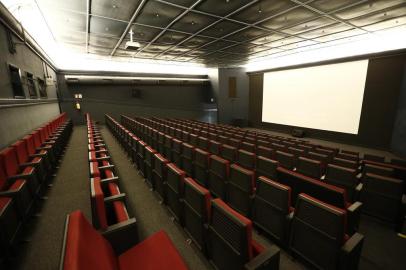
327	97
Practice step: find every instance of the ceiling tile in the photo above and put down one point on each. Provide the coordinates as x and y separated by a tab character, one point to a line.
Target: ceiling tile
367	7
285	41
156	48
221	7
262	10
143	33
193	22
73	5
99	50
290	18
240	49
379	16
222	28
61	20
328	30
96	40
171	38
158	14
331	5
386	24
196	41
117	9
185	3
107	27
247	34
268	38
71	37
339	35
309	25
218	45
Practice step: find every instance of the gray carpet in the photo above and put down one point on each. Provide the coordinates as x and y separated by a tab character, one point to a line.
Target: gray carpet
70	192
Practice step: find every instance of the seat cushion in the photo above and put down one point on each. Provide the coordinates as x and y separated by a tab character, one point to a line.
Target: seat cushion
17	184
155	253
85	248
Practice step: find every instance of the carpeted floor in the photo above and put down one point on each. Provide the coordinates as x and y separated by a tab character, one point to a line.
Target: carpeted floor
383	249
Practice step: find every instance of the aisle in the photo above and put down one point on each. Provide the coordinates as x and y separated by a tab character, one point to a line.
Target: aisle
151	216
70	191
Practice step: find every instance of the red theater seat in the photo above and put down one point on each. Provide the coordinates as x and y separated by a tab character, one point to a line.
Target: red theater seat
86	249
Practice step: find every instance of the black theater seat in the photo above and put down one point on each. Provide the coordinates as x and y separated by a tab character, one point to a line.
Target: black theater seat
196	212
10	224
215	148
219	171
375	169
345	163
285	159
309	167
84	249
345	178
188	157
240	189
318	236
382	197
229	152
230	242
246	159
271	208
159	175
174	193
149	165
374	158
265	152
201	166
176	156
266	167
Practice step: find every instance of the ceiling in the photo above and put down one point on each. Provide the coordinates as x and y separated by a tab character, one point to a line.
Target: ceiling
213	32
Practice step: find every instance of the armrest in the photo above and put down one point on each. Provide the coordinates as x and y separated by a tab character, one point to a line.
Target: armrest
101	158
20	176
47	147
109	180
353	214
111	166
114	198
268	259
122	236
357	192
28	164
37	155
101	151
12	192
351	252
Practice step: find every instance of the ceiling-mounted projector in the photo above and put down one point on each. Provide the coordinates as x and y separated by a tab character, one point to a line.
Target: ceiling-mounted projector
132	45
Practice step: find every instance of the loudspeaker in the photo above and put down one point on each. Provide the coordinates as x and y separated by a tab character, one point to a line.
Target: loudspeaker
298	133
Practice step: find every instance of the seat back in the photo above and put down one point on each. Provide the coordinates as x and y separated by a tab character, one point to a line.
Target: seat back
379	170
215	147
285	159
317	232
201	166
230	236
249	147
265	152
342	177
345	163
398	162
175	181
240	188
21	150
196	211
29	139
271	205
246	159
203	143
84	248
382	197
219	171
266	167
374	158
229	152
303	184
9	161
309	167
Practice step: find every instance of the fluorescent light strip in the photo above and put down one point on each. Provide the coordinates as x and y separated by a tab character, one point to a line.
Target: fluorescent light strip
90	77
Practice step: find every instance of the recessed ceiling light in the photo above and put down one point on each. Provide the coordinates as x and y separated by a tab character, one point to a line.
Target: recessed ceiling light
157	15
114	6
259	10
193	22
107	29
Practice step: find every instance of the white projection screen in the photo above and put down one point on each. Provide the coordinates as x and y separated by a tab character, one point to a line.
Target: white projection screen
327	97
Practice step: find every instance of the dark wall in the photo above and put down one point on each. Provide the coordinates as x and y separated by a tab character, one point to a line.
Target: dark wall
382	88
182	101
20	116
398	145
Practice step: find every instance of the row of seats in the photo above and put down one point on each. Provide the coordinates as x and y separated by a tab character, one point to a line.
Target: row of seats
266	214
25	170
357	186
233	183
112	242
207	221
